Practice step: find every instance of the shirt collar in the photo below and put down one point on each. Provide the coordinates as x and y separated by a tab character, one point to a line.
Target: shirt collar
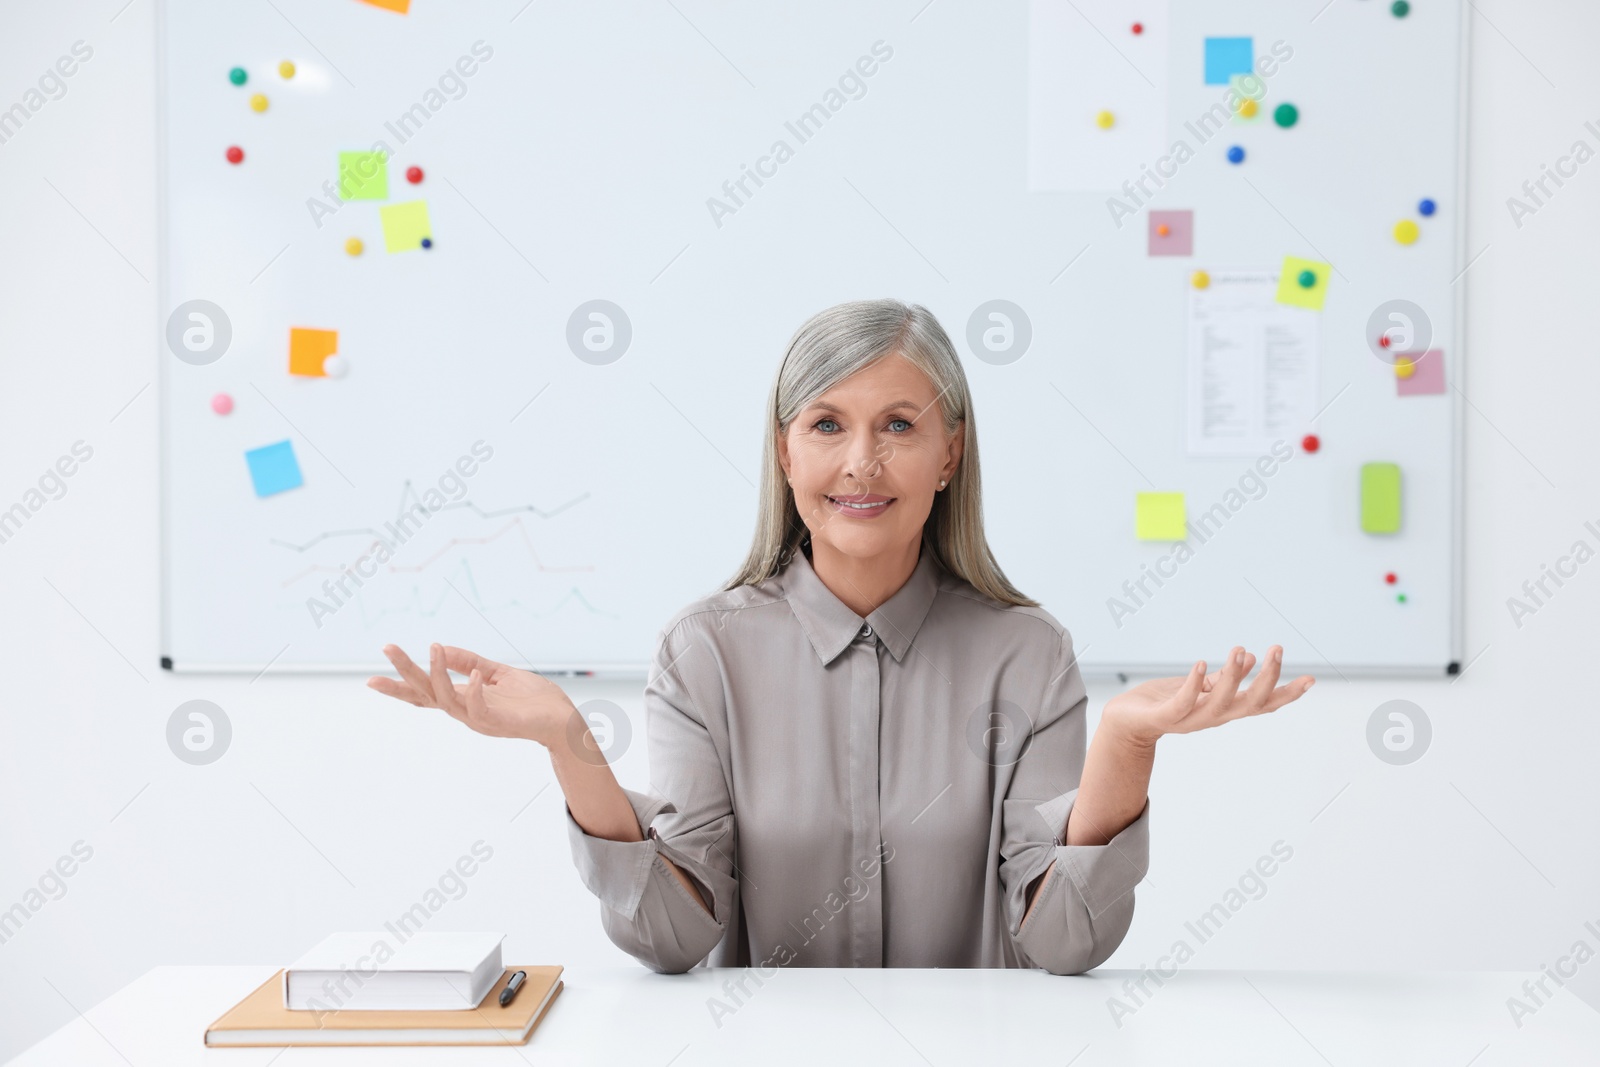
831	625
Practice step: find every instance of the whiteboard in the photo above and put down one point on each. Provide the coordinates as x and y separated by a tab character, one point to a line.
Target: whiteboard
583	160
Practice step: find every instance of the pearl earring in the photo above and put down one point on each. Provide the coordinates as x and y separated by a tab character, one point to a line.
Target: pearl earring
941	483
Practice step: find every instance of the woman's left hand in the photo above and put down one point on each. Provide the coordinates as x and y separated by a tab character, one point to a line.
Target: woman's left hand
1200	700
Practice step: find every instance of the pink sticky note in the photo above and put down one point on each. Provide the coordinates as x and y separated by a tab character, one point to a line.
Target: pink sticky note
1427	376
1179	238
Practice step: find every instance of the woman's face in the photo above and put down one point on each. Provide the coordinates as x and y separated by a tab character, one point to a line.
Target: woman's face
875	439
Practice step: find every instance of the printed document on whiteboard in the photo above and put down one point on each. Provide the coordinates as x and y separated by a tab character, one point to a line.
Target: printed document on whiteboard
1252	377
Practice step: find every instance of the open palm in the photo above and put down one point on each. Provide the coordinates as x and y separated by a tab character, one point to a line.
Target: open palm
1200	700
496	699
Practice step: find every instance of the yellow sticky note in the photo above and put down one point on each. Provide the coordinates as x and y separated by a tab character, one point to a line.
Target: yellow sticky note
1160	517
399	6
405	225
363	176
1292	287
308	348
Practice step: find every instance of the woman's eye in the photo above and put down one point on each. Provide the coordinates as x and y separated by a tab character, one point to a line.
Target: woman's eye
824	424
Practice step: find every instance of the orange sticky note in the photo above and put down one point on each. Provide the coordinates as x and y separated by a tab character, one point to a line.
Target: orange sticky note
402	6
308	348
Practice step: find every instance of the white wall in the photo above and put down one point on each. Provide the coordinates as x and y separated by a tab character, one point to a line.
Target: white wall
1481	855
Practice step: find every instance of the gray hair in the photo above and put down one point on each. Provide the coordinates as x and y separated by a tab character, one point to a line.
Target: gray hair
829	347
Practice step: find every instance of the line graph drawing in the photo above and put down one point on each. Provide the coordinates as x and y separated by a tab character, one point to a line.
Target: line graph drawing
403	508
454	542
426	563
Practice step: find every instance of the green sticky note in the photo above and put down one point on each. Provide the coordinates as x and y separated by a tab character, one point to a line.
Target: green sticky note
404	225
1291	289
1380	497
1160	517
363	176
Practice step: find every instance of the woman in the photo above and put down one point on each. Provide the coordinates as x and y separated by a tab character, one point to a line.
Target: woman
869	747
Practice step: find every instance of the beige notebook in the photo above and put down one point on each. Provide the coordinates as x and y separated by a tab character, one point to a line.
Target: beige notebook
261	1019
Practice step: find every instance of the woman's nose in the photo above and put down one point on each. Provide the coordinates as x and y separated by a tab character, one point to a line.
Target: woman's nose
866	467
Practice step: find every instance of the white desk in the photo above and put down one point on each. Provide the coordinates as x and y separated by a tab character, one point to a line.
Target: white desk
918	1017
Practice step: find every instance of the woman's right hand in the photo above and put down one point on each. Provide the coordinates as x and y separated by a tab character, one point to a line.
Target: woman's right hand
496	700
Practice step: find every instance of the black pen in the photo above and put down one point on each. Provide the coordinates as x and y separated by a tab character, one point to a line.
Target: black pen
511	988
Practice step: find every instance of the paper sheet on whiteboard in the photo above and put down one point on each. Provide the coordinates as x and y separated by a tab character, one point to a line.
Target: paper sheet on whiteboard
1083	60
1252	378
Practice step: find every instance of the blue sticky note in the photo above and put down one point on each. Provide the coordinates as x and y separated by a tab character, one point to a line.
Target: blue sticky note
273	468
1227	56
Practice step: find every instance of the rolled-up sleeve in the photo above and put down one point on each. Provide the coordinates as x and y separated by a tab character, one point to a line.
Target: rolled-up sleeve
644	908
1083	909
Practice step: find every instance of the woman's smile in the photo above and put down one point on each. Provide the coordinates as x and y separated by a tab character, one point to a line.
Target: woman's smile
861	505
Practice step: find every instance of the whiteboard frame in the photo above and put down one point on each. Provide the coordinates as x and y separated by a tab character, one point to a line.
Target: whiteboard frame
639	671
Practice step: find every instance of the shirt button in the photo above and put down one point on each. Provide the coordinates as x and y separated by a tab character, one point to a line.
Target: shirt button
866	629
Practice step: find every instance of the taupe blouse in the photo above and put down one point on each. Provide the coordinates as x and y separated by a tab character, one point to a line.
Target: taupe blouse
856	792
